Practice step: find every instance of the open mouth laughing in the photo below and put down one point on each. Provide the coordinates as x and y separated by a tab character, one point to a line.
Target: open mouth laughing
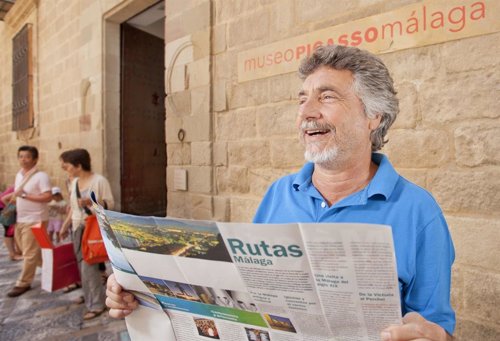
315	132
314	129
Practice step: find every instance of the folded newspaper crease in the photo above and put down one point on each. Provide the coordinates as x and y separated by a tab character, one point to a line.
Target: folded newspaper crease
238	281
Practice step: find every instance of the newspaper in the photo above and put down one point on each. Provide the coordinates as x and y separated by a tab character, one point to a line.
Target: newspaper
199	280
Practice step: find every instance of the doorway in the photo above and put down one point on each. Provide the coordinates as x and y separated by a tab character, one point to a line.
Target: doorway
143	159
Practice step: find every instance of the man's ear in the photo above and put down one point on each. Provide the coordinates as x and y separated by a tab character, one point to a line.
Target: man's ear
374	122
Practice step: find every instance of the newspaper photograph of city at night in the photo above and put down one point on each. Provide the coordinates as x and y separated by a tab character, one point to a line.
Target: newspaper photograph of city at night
175	237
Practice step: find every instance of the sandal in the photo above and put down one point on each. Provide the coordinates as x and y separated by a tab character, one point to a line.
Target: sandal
71	287
89	315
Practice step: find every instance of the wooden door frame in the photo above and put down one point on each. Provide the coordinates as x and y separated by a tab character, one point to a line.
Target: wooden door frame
112	20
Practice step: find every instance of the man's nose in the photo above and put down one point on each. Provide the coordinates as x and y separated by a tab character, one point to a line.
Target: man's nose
310	109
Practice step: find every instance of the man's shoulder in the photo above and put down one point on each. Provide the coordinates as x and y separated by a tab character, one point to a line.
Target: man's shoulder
285	180
414	193
284	185
41	176
404	190
297	178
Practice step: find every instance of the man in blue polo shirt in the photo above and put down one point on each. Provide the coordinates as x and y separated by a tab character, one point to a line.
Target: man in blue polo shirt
347	104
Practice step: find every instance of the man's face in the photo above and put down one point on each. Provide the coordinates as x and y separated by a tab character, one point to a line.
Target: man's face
26	160
331	122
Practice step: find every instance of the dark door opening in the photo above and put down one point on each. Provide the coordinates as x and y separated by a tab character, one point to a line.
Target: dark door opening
142	123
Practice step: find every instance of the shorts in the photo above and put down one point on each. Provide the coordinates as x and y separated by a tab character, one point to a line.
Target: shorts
9	231
54	225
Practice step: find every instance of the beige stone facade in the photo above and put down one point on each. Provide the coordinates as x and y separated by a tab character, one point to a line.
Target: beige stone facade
240	136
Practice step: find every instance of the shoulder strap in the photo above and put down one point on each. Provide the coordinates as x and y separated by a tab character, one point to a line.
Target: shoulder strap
79	196
26	179
77	190
94	184
21	186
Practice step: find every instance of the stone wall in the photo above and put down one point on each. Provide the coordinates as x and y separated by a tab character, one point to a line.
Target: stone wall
239	137
445	139
187	83
69	75
19	15
67	83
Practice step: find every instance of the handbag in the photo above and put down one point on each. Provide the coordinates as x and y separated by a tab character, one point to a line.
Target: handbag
92	244
93	248
8	215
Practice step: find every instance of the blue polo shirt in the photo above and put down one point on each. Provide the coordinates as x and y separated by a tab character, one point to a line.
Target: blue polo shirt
422	242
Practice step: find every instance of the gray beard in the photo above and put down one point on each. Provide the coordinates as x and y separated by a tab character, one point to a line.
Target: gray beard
324	157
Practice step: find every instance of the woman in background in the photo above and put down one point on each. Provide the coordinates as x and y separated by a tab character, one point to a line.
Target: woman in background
76	163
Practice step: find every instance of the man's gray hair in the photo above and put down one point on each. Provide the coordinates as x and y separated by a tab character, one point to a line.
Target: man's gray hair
372	83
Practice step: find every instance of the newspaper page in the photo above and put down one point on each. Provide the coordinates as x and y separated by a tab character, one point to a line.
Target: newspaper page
354	266
149	321
199	280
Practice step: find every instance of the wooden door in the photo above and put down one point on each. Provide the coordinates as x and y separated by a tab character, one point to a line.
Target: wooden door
143	149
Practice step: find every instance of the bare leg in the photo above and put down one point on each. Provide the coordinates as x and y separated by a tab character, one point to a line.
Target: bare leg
9	243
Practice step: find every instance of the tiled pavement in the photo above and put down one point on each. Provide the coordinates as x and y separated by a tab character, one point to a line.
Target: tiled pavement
40	315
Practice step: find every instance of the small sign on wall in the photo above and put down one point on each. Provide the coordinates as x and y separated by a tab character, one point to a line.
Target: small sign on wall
180	180
425	23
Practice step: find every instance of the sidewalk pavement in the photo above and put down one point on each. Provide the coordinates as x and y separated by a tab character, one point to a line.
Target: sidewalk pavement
40	315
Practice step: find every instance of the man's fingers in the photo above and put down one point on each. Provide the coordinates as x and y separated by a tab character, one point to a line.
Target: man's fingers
404	332
413	317
119	301
414	328
112	284
123	298
119	313
111	281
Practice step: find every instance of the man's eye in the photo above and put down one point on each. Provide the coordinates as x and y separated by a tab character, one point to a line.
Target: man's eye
328	97
302	100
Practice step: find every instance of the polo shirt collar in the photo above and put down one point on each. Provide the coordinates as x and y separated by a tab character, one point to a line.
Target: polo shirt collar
303	179
385	179
383	182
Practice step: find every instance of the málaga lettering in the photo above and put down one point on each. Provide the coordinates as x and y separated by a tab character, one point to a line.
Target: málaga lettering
261	252
420	24
420	20
252	260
